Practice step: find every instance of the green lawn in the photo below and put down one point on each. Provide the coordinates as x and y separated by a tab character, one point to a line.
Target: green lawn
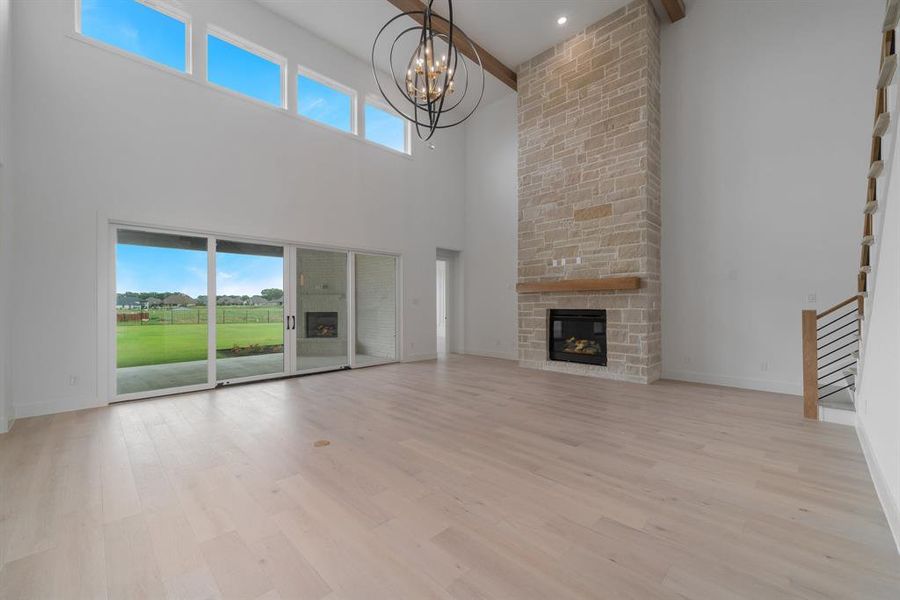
138	345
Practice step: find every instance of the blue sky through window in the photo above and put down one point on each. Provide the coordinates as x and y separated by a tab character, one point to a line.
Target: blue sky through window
247	274
136	28
242	71
155	269
325	104
385	128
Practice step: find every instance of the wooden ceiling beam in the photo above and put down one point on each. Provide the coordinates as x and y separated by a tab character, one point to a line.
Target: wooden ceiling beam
488	61
674	8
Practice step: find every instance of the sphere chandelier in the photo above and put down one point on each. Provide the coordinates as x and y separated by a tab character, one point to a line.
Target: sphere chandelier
436	87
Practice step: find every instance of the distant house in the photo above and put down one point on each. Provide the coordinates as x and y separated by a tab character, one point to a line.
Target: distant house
127	301
153	301
178	300
259	301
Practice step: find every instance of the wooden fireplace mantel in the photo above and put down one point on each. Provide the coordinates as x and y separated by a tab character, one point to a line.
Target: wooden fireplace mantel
605	284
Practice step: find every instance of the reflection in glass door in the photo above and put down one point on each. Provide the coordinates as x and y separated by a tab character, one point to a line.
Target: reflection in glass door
375	302
321	324
250	316
161	314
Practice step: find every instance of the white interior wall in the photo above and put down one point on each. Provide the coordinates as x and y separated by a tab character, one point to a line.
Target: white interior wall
491	231
878	388
6	207
766	121
101	136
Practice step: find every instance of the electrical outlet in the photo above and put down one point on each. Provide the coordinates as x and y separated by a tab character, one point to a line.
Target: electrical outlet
555	262
563	261
72	380
763	366
811	298
577	260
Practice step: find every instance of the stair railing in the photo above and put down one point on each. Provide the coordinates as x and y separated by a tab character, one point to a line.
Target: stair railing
830	352
830	342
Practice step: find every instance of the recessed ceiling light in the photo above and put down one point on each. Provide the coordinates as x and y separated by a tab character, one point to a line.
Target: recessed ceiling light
562	20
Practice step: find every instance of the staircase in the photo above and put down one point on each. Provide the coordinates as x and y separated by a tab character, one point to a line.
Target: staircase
832	338
831	356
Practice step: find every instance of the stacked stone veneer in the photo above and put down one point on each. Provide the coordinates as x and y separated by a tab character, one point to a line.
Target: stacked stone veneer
589	187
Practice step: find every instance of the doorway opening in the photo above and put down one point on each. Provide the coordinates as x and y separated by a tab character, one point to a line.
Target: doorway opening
445	302
441	305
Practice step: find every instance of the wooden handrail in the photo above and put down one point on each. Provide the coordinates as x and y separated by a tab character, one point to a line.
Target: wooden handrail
838	306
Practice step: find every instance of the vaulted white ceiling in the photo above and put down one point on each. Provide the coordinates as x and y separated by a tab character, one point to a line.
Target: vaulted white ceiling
512	30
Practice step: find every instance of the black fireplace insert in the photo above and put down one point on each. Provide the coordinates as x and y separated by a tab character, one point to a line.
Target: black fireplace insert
321	324
577	336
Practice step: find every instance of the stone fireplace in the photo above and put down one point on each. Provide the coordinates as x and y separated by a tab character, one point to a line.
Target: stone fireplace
589	190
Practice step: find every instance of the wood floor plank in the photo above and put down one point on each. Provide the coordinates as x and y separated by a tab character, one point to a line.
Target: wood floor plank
468	478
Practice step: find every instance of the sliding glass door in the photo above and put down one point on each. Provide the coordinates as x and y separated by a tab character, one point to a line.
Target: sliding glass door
193	311
250	314
321	329
161	312
375	302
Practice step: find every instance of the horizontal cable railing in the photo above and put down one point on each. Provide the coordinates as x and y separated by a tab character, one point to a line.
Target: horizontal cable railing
829	356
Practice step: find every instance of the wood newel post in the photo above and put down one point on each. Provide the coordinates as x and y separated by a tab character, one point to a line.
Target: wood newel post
810	366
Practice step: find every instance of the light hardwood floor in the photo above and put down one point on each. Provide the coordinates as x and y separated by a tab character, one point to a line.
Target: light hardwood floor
470	478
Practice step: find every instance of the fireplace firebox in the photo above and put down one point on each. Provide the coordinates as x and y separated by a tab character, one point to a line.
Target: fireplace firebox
577	336
321	324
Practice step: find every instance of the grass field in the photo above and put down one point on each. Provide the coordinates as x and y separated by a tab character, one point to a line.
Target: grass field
138	345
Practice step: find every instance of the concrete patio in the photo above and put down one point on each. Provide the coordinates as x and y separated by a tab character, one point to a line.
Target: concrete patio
132	380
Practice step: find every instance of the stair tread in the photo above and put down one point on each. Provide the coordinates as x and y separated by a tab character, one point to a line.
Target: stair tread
881	124
888	67
876	168
891	15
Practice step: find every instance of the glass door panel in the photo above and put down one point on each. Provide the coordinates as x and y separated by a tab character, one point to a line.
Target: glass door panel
375	277
162	339
321	326
250	318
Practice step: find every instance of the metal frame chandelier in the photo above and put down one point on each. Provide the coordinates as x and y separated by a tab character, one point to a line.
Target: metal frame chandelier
436	87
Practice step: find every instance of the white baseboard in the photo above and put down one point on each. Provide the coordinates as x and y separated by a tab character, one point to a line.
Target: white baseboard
889	504
763	385
49	407
419	357
488	354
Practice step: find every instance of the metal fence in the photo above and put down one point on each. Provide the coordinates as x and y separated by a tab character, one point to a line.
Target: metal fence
199	316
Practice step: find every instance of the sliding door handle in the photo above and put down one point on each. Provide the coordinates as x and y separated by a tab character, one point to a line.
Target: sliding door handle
287	322
294	318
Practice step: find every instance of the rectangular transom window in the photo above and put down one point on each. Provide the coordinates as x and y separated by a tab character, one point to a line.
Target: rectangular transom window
149	30
325	101
386	128
245	68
